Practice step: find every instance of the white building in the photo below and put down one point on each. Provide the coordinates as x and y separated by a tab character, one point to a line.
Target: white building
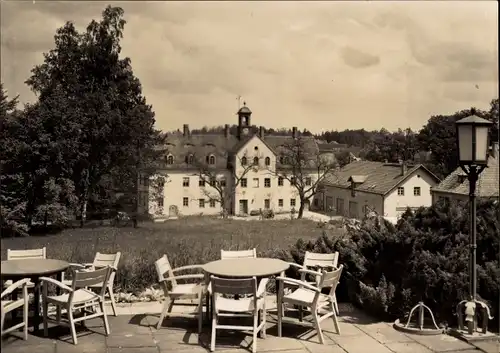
387	189
247	166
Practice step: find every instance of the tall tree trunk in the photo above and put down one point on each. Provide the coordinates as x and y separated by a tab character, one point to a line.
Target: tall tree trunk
83	209
301	208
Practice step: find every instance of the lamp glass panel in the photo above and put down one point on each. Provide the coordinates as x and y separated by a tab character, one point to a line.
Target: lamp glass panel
465	142
481	144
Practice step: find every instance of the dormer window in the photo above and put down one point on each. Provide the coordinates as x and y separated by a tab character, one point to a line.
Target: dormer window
244	161
268	161
170	159
189	159
255	160
211	159
355	181
461	178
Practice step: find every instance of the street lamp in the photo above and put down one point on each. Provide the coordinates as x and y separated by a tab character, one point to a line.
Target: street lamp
472	136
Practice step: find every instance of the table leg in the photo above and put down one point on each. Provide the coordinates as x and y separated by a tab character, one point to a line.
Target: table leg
59	278
36	310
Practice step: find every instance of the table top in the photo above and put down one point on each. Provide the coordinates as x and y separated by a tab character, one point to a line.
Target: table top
246	267
32	267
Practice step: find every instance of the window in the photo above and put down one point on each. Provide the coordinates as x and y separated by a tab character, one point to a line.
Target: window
185	202
146	181
213	181
268	161
212	203
201	203
160	202
211	159
292	181
244	161
185	182
255	183
201	183
222	182
170	159
280	203
401	191
255	160
292	202
416	191
308	181
189	159
284	160
267	182
280	181
243	182
267	204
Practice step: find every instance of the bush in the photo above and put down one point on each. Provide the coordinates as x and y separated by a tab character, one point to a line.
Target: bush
390	268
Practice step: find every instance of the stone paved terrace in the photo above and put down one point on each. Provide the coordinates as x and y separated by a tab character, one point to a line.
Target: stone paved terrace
134	331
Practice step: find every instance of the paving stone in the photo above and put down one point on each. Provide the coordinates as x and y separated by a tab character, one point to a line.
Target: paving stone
361	344
384	333
134	350
407	347
441	343
488	346
86	347
48	348
130	340
323	348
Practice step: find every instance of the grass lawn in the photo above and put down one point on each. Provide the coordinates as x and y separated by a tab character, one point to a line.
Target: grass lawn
191	240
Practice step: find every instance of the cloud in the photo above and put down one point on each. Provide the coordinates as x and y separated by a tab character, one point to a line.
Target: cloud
315	65
358	59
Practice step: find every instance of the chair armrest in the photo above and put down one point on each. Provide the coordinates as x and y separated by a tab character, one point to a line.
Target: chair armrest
310	272
261	291
189	267
298	283
56	282
76	266
19	284
293	264
194	276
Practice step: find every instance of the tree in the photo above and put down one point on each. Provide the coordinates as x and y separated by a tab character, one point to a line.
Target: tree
304	167
221	187
111	119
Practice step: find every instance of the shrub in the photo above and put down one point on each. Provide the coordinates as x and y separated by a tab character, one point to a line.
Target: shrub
390	268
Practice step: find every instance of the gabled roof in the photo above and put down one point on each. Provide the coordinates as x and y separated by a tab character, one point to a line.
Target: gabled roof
487	185
381	178
357	179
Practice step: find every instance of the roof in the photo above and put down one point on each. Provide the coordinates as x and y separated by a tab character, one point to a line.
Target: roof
487	185
379	178
222	147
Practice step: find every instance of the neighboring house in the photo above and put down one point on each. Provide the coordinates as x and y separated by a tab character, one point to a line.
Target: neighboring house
335	149
456	185
387	189
228	156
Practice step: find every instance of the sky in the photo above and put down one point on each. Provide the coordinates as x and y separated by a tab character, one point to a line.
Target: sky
315	65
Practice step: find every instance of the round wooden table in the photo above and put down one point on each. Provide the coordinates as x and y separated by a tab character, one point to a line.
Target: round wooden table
260	267
246	267
33	269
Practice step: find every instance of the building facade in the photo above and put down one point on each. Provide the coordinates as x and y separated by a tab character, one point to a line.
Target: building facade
387	189
248	172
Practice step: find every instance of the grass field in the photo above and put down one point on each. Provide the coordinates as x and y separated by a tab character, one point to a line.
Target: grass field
192	240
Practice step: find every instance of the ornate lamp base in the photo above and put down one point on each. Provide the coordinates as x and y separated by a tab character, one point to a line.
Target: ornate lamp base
470	331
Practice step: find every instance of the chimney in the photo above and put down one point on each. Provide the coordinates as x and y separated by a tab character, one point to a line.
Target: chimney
186	130
494	150
226	130
404	167
261	132
294	132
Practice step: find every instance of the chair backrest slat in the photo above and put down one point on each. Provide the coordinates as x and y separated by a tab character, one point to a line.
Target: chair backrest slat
163	267
234	286
331	279
238	254
103	260
312	259
83	279
26	254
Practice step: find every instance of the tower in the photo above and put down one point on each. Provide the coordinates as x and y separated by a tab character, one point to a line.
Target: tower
244	115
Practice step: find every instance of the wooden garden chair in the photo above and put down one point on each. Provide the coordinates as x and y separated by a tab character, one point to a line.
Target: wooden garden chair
307	295
246	306
100	261
317	262
238	254
168	277
25	255
11	305
77	298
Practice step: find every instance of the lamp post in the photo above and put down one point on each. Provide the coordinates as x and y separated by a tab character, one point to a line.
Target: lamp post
472	136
